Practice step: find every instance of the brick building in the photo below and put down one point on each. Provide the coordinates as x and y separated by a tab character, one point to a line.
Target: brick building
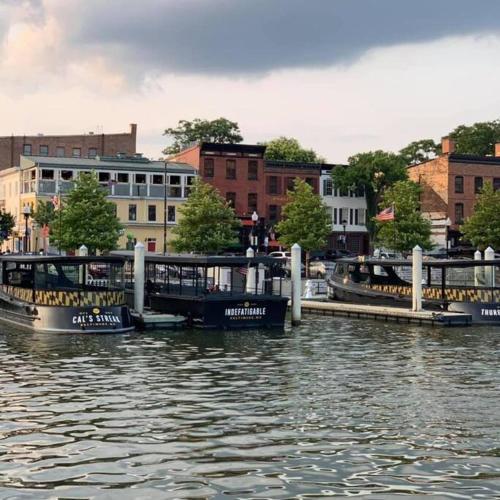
450	185
76	146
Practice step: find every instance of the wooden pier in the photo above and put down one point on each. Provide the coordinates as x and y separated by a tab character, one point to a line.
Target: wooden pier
398	314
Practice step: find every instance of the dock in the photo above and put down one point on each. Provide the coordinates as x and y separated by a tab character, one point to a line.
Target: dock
384	313
151	320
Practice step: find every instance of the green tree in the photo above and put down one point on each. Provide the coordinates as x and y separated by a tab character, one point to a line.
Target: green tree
44	214
419	151
305	220
7	223
409	227
289	149
221	130
482	228
208	224
371	173
87	218
477	139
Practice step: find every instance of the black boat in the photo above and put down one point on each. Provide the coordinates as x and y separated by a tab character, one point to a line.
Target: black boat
64	294
468	286
215	291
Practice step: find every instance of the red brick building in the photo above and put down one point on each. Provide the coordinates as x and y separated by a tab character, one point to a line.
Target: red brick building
450	184
78	146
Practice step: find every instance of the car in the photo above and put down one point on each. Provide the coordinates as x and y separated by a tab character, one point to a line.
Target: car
286	257
321	269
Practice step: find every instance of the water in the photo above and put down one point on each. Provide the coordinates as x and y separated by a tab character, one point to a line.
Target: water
335	407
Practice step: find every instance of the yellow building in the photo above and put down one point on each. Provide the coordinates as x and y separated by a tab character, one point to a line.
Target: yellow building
135	184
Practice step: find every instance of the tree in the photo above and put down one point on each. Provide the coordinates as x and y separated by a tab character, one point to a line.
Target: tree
409	227
371	173
7	223
305	220
208	223
419	151
477	139
87	218
289	149
482	228
44	214
221	131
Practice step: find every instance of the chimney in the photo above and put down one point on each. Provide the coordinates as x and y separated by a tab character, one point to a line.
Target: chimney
447	145
497	150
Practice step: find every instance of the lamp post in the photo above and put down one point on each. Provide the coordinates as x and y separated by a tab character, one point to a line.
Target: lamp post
27	214
447	224
165	211
344	224
254	239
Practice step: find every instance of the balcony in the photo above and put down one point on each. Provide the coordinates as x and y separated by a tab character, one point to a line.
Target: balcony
47	187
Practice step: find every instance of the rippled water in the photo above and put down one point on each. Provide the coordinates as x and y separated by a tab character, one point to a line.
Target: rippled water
335	407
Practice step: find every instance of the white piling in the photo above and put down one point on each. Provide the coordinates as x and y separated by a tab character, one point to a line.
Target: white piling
251	273
489	271
478	270
139	253
83	251
296	284
417	279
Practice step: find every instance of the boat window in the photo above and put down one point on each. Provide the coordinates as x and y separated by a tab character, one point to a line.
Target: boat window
339	269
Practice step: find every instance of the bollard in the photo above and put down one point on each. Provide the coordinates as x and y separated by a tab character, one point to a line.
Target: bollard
478	270
296	284
83	251
417	279
489	271
251	278
139	278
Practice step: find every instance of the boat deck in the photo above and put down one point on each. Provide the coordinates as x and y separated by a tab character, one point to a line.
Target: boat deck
384	313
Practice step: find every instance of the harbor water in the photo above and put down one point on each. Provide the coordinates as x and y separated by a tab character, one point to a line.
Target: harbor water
333	407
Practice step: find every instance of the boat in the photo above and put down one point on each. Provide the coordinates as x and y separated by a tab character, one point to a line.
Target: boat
64	294
460	285
225	292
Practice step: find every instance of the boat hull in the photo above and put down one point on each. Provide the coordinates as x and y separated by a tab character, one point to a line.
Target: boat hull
485	312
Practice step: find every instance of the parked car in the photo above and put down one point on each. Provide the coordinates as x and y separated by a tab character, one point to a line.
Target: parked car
321	268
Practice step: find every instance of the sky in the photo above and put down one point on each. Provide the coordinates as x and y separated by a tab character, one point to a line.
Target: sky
342	76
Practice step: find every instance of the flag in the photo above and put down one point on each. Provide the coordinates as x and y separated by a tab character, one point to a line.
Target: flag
242	270
386	214
56	202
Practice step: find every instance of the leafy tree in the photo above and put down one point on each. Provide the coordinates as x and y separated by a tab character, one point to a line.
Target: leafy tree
419	151
477	139
44	214
305	220
221	131
409	227
7	223
289	149
208	224
372	173
88	218
482	228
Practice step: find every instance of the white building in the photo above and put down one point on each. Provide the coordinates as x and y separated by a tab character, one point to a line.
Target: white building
348	213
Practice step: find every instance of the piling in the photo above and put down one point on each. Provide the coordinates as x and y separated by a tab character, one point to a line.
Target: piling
139	254
83	251
478	270
417	279
489	271
251	273
296	284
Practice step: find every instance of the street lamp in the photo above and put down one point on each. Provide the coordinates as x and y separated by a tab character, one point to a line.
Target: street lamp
165	210
27	214
344	224
254	239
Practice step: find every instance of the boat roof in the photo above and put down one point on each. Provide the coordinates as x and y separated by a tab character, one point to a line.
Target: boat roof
64	259
426	263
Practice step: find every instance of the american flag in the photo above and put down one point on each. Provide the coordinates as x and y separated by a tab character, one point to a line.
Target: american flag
242	270
386	214
56	202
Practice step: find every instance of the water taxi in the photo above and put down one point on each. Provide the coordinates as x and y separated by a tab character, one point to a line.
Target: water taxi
468	286
62	294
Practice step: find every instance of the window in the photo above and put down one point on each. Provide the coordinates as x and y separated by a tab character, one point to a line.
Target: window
343	216
459	184
252	202
343	192
157	179
459	213
140	178
310	181
104	177
66	175
362	216
171	214
274	213
132	213
208	167
175	180
478	184
60	151
47	174
496	183
27	149
327	187
76	152
92	152
151	213
122	178
335	216
290	186
273	186
351	218
253	170
356	217
44	150
231	199
230	169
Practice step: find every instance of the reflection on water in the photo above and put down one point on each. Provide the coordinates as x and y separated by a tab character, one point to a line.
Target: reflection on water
333	407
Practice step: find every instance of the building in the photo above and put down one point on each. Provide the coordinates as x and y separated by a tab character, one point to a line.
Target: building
348	212
88	145
135	184
451	183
